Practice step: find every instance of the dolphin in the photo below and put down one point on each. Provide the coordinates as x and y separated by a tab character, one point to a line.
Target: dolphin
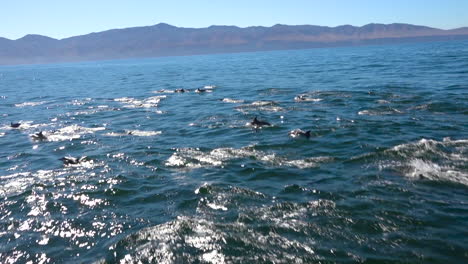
198	90
258	123
39	136
15	125
299	133
72	160
179	90
301	97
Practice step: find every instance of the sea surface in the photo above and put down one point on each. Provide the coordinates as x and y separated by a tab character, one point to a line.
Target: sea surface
185	178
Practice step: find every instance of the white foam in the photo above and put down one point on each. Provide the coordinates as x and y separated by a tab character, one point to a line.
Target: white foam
391	111
431	159
306	99
194	158
309	162
217	206
114	134
142	133
18	182
383	102
30	104
296	133
138	133
80	102
71	132
162	243
234	101
213	257
150	102
266	106
25	125
423	169
164	91
263	103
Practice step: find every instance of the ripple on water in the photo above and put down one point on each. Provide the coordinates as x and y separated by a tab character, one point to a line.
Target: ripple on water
210	240
16	183
242	196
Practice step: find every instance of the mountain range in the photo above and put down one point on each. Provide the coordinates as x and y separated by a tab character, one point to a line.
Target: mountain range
167	40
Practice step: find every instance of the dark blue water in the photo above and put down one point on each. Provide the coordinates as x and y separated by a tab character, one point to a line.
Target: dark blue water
183	178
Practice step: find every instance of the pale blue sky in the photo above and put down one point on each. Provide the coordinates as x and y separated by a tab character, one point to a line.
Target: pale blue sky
61	18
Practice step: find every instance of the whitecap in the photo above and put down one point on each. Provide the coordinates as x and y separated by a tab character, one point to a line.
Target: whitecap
234	101
308	163
142	133
383	102
424	169
30	104
163	91
195	158
267	106
431	159
304	98
138	133
215	206
114	134
372	112
149	102
71	132
263	103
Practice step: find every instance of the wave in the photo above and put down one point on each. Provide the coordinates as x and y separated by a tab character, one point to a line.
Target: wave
429	159
80	102
234	101
387	111
138	133
195	158
210	240
306	98
383	102
30	104
25	125
164	91
149	102
16	183
267	106
70	132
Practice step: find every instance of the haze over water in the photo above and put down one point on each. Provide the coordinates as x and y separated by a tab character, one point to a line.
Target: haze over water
182	178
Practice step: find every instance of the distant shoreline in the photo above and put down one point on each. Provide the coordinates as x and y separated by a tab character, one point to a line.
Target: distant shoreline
163	40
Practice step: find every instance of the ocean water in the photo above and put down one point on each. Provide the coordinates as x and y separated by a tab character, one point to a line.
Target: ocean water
184	178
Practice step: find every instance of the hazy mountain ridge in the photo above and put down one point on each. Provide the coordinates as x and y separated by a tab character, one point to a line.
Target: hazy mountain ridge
166	40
